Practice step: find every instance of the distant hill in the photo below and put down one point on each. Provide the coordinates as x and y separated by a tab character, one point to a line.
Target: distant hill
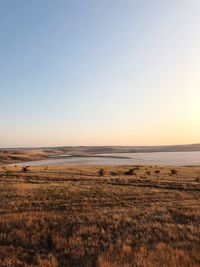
132	149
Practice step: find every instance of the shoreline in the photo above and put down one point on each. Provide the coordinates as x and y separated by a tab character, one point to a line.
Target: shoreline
189	158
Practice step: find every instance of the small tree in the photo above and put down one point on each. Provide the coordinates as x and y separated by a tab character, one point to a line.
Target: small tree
101	172
157	172
197	179
25	169
174	172
130	172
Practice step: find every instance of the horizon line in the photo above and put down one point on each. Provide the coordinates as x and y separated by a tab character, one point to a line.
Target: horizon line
60	146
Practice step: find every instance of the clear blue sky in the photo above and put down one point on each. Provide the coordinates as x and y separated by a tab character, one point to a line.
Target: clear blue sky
99	72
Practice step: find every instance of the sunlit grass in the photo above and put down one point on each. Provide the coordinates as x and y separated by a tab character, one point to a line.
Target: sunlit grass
68	216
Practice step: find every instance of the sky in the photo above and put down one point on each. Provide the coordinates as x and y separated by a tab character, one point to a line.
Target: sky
99	72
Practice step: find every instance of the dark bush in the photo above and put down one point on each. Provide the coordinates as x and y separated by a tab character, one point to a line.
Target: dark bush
130	172
174	172
101	172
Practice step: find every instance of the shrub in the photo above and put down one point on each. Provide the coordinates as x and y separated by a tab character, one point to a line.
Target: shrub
130	172
101	172
174	172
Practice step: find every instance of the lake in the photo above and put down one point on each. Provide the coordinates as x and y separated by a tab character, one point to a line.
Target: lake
158	158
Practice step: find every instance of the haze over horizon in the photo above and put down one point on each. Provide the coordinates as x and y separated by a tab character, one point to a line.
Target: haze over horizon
99	73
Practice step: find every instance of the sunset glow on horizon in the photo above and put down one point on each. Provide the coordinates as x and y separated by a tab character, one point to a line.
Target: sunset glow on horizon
99	73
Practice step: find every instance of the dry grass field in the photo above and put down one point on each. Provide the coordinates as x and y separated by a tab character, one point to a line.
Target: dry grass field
69	216
24	155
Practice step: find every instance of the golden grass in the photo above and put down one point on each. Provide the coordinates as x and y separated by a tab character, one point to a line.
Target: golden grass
68	216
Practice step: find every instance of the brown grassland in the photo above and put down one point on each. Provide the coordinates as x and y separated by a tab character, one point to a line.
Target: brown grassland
69	216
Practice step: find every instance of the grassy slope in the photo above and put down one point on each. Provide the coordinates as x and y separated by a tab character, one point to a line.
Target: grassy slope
68	216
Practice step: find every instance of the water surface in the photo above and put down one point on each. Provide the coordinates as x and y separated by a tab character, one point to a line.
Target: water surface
158	158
